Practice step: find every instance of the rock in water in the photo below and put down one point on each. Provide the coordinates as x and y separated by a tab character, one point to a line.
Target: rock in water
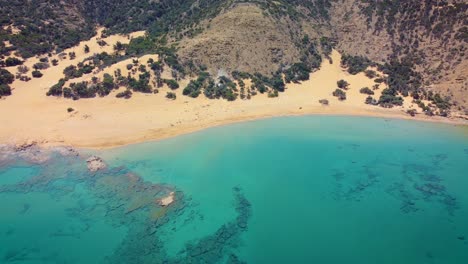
95	163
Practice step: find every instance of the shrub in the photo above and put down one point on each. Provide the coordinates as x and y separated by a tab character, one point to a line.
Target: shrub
324	101
5	90
389	98
69	109
37	74
67	92
379	80
125	94
56	90
370	74
171	95
370	100
342	84
411	112
9	62
340	94
366	90
41	66
6	77
297	72
355	64
173	84
272	94
23	69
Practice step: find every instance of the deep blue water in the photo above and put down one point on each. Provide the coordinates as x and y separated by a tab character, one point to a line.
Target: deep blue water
313	189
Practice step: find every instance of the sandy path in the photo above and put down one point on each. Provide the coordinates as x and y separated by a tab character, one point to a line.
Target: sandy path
107	122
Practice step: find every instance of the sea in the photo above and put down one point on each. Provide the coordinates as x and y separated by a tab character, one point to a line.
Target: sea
308	189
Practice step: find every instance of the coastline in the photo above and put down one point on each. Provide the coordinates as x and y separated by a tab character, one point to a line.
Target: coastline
170	132
106	122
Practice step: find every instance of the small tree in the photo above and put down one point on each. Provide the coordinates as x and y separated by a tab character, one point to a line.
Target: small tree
342	84
86	49
23	69
171	95
173	84
324	101
370	100
340	94
37	74
366	90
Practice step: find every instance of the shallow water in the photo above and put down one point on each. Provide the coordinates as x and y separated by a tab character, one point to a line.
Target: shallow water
314	189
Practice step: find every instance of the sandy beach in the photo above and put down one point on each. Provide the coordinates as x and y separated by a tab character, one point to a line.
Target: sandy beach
29	115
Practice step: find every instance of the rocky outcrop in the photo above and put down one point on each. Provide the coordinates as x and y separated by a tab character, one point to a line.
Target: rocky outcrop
95	163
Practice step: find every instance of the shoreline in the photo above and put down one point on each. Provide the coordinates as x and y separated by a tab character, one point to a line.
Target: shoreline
109	122
168	133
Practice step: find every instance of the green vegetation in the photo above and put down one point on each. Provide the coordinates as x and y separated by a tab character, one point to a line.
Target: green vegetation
36	74
56	90
6	78
225	88
366	90
9	62
324	101
342	84
389	98
69	109
355	64
370	74
127	94
340	94
370	100
173	84
297	72
171	96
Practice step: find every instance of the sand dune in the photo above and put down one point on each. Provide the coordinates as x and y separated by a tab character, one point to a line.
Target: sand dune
106	122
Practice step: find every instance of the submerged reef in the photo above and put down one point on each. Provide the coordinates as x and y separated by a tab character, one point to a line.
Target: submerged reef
414	185
121	198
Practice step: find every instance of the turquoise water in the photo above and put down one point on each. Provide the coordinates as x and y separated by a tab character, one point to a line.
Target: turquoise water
314	189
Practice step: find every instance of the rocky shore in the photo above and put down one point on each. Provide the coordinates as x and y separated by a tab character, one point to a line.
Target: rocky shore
34	153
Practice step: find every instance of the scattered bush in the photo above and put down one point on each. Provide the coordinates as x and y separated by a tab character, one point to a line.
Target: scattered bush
371	101
41	66
9	62
171	96
36	74
23	69
355	64
5	90
340	94
370	74
324	101
342	84
6	77
125	94
366	90
389	98
411	112
56	90
69	109
173	84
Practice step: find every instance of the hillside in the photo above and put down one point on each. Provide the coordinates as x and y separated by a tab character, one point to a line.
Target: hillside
418	45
